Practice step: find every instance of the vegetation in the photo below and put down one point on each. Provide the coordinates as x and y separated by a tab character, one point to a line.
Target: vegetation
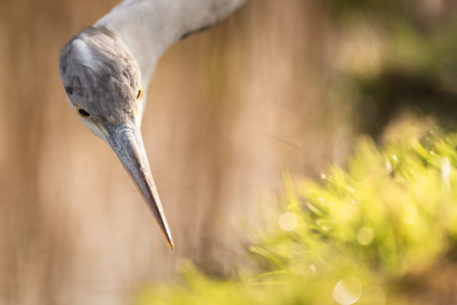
383	229
359	235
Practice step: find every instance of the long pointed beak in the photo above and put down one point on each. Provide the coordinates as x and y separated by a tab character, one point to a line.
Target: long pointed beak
127	143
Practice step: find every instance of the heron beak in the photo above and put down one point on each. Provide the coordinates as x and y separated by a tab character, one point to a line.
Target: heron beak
126	141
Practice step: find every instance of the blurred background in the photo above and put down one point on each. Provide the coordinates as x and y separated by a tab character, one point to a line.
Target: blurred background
278	86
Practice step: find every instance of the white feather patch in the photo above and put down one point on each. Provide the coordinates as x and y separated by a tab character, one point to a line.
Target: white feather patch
84	53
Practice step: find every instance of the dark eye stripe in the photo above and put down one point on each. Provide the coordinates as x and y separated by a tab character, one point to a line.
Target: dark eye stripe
83	113
139	95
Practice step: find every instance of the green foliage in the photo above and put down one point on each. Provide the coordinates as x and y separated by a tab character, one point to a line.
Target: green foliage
352	236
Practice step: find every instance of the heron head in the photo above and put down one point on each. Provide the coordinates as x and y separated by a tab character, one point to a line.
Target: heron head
102	81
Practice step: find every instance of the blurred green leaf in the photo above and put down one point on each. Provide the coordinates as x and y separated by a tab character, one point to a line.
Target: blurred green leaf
390	214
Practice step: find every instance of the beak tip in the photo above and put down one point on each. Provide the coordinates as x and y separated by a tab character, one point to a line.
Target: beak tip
168	238
171	245
166	231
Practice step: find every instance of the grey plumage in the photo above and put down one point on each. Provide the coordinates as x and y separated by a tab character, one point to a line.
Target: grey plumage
109	84
106	68
149	27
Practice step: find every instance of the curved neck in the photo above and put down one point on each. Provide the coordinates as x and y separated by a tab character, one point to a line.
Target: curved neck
149	27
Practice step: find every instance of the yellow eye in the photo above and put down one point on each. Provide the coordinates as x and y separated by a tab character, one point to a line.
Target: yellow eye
83	112
139	95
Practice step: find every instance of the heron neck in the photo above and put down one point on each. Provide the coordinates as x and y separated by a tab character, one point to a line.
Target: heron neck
149	27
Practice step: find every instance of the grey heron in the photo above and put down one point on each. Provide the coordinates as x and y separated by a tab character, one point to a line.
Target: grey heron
106	69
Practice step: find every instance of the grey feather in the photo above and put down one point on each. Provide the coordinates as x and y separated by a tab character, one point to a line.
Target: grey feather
103	78
149	27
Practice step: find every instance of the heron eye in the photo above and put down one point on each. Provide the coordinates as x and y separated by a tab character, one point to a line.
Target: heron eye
83	112
139	95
